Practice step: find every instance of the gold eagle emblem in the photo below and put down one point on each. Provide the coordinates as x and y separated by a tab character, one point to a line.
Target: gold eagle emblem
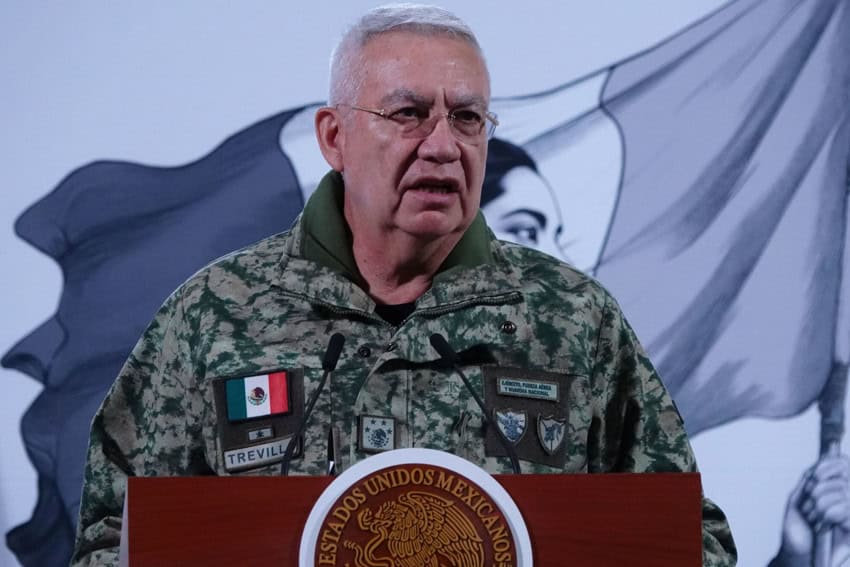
419	529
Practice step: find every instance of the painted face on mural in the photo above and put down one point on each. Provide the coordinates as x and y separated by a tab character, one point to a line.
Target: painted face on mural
526	212
428	184
518	202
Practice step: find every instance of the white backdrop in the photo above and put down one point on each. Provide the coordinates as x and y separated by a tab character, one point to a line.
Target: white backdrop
162	83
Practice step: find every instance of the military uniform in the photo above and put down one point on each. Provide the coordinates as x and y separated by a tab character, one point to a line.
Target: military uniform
560	371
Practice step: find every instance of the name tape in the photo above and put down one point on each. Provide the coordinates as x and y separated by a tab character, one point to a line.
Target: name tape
535	389
255	456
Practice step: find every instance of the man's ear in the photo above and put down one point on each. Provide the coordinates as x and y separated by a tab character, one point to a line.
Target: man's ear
330	136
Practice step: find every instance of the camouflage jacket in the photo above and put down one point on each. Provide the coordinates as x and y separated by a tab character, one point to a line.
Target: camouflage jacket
546	346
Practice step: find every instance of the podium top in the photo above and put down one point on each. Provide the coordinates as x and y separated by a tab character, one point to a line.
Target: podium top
600	520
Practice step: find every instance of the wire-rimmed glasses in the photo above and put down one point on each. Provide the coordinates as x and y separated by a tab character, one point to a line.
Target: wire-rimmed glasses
467	124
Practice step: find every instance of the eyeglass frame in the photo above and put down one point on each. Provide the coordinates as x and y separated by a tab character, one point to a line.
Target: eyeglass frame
450	117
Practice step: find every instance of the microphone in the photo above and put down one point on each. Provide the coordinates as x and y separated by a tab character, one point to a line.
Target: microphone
329	361
449	356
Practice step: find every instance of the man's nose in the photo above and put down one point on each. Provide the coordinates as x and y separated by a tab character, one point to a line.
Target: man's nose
440	144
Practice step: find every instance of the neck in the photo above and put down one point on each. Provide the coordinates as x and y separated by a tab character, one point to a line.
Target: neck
398	267
394	267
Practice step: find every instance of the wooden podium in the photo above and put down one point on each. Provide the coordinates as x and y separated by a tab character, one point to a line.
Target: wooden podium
573	520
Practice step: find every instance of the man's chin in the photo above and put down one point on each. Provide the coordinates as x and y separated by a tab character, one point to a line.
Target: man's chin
434	225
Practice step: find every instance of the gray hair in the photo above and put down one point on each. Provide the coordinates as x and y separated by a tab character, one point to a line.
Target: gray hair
416	18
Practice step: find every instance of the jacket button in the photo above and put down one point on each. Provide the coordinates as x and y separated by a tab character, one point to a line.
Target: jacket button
364	352
508	327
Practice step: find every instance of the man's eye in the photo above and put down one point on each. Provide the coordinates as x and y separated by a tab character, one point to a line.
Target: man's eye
407	114
468	117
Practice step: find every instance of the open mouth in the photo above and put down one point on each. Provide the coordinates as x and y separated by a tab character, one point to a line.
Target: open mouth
440	189
436	186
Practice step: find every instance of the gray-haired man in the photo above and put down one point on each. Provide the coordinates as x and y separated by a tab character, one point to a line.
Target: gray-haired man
389	250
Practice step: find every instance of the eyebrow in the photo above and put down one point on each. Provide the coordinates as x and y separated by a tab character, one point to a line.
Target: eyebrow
401	95
470	100
538	216
406	95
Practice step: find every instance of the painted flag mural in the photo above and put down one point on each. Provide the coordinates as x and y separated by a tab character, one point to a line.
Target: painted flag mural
735	184
257	396
720	226
125	236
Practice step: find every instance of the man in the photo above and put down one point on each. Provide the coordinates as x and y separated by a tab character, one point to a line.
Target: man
389	250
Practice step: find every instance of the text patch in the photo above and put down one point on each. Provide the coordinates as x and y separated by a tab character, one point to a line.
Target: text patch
534	389
255	456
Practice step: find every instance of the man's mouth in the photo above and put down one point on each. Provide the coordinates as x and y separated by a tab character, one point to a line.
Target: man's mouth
437	186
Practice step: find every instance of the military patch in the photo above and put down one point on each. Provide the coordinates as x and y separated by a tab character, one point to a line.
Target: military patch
539	395
255	456
550	432
249	397
376	433
512	424
262	433
524	388
257	415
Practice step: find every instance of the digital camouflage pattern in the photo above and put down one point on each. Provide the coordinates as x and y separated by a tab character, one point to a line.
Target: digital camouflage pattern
275	304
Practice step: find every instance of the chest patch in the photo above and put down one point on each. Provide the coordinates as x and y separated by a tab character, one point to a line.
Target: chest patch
525	388
257	396
512	424
376	433
529	408
550	433
257	416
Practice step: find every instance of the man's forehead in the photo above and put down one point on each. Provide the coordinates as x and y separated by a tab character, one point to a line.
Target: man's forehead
404	95
407	51
407	41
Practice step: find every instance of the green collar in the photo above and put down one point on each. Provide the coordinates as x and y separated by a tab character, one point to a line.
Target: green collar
327	238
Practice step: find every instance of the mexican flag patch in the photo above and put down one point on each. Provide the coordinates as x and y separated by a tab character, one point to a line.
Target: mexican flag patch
257	396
